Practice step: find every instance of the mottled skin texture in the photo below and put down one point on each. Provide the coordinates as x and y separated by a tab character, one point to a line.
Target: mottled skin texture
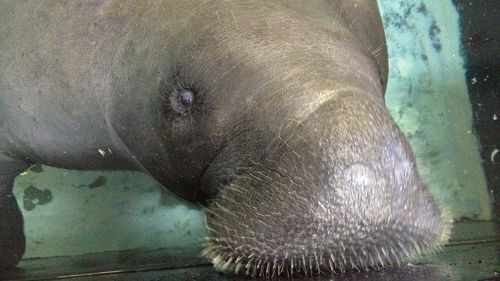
288	141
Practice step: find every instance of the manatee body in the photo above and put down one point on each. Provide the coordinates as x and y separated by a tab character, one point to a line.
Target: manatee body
269	112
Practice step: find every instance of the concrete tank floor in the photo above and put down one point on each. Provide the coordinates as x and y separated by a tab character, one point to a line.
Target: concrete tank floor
468	261
475	261
472	254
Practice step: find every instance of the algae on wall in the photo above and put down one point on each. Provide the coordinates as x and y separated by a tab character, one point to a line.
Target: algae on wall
71	212
427	96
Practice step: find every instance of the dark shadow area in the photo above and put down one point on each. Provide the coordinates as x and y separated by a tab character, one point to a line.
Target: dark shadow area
481	50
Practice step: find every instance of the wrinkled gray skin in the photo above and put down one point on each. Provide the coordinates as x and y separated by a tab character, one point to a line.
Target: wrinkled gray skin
288	135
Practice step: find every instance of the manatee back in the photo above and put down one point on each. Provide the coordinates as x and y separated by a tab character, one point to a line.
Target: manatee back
55	61
363	18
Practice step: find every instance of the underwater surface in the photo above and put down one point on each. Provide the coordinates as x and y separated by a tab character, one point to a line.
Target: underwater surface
77	212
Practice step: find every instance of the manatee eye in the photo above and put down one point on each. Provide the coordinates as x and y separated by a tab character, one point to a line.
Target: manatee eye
182	100
186	97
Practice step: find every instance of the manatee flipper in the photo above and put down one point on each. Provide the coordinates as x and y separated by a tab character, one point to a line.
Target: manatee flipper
12	240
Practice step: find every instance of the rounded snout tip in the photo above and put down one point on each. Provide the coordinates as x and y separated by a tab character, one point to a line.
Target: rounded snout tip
276	230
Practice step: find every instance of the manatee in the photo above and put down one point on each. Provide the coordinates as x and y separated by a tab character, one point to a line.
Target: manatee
271	113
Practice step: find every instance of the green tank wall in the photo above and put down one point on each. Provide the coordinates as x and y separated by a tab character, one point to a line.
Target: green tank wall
427	96
77	212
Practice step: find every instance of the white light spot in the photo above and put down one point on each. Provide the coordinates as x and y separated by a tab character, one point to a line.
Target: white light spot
493	154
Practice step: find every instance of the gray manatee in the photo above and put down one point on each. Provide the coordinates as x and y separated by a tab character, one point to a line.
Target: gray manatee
269	112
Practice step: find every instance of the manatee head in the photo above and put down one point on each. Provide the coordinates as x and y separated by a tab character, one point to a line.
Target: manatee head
300	164
334	191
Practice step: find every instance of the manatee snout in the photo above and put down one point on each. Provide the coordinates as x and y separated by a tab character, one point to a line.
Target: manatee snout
339	191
